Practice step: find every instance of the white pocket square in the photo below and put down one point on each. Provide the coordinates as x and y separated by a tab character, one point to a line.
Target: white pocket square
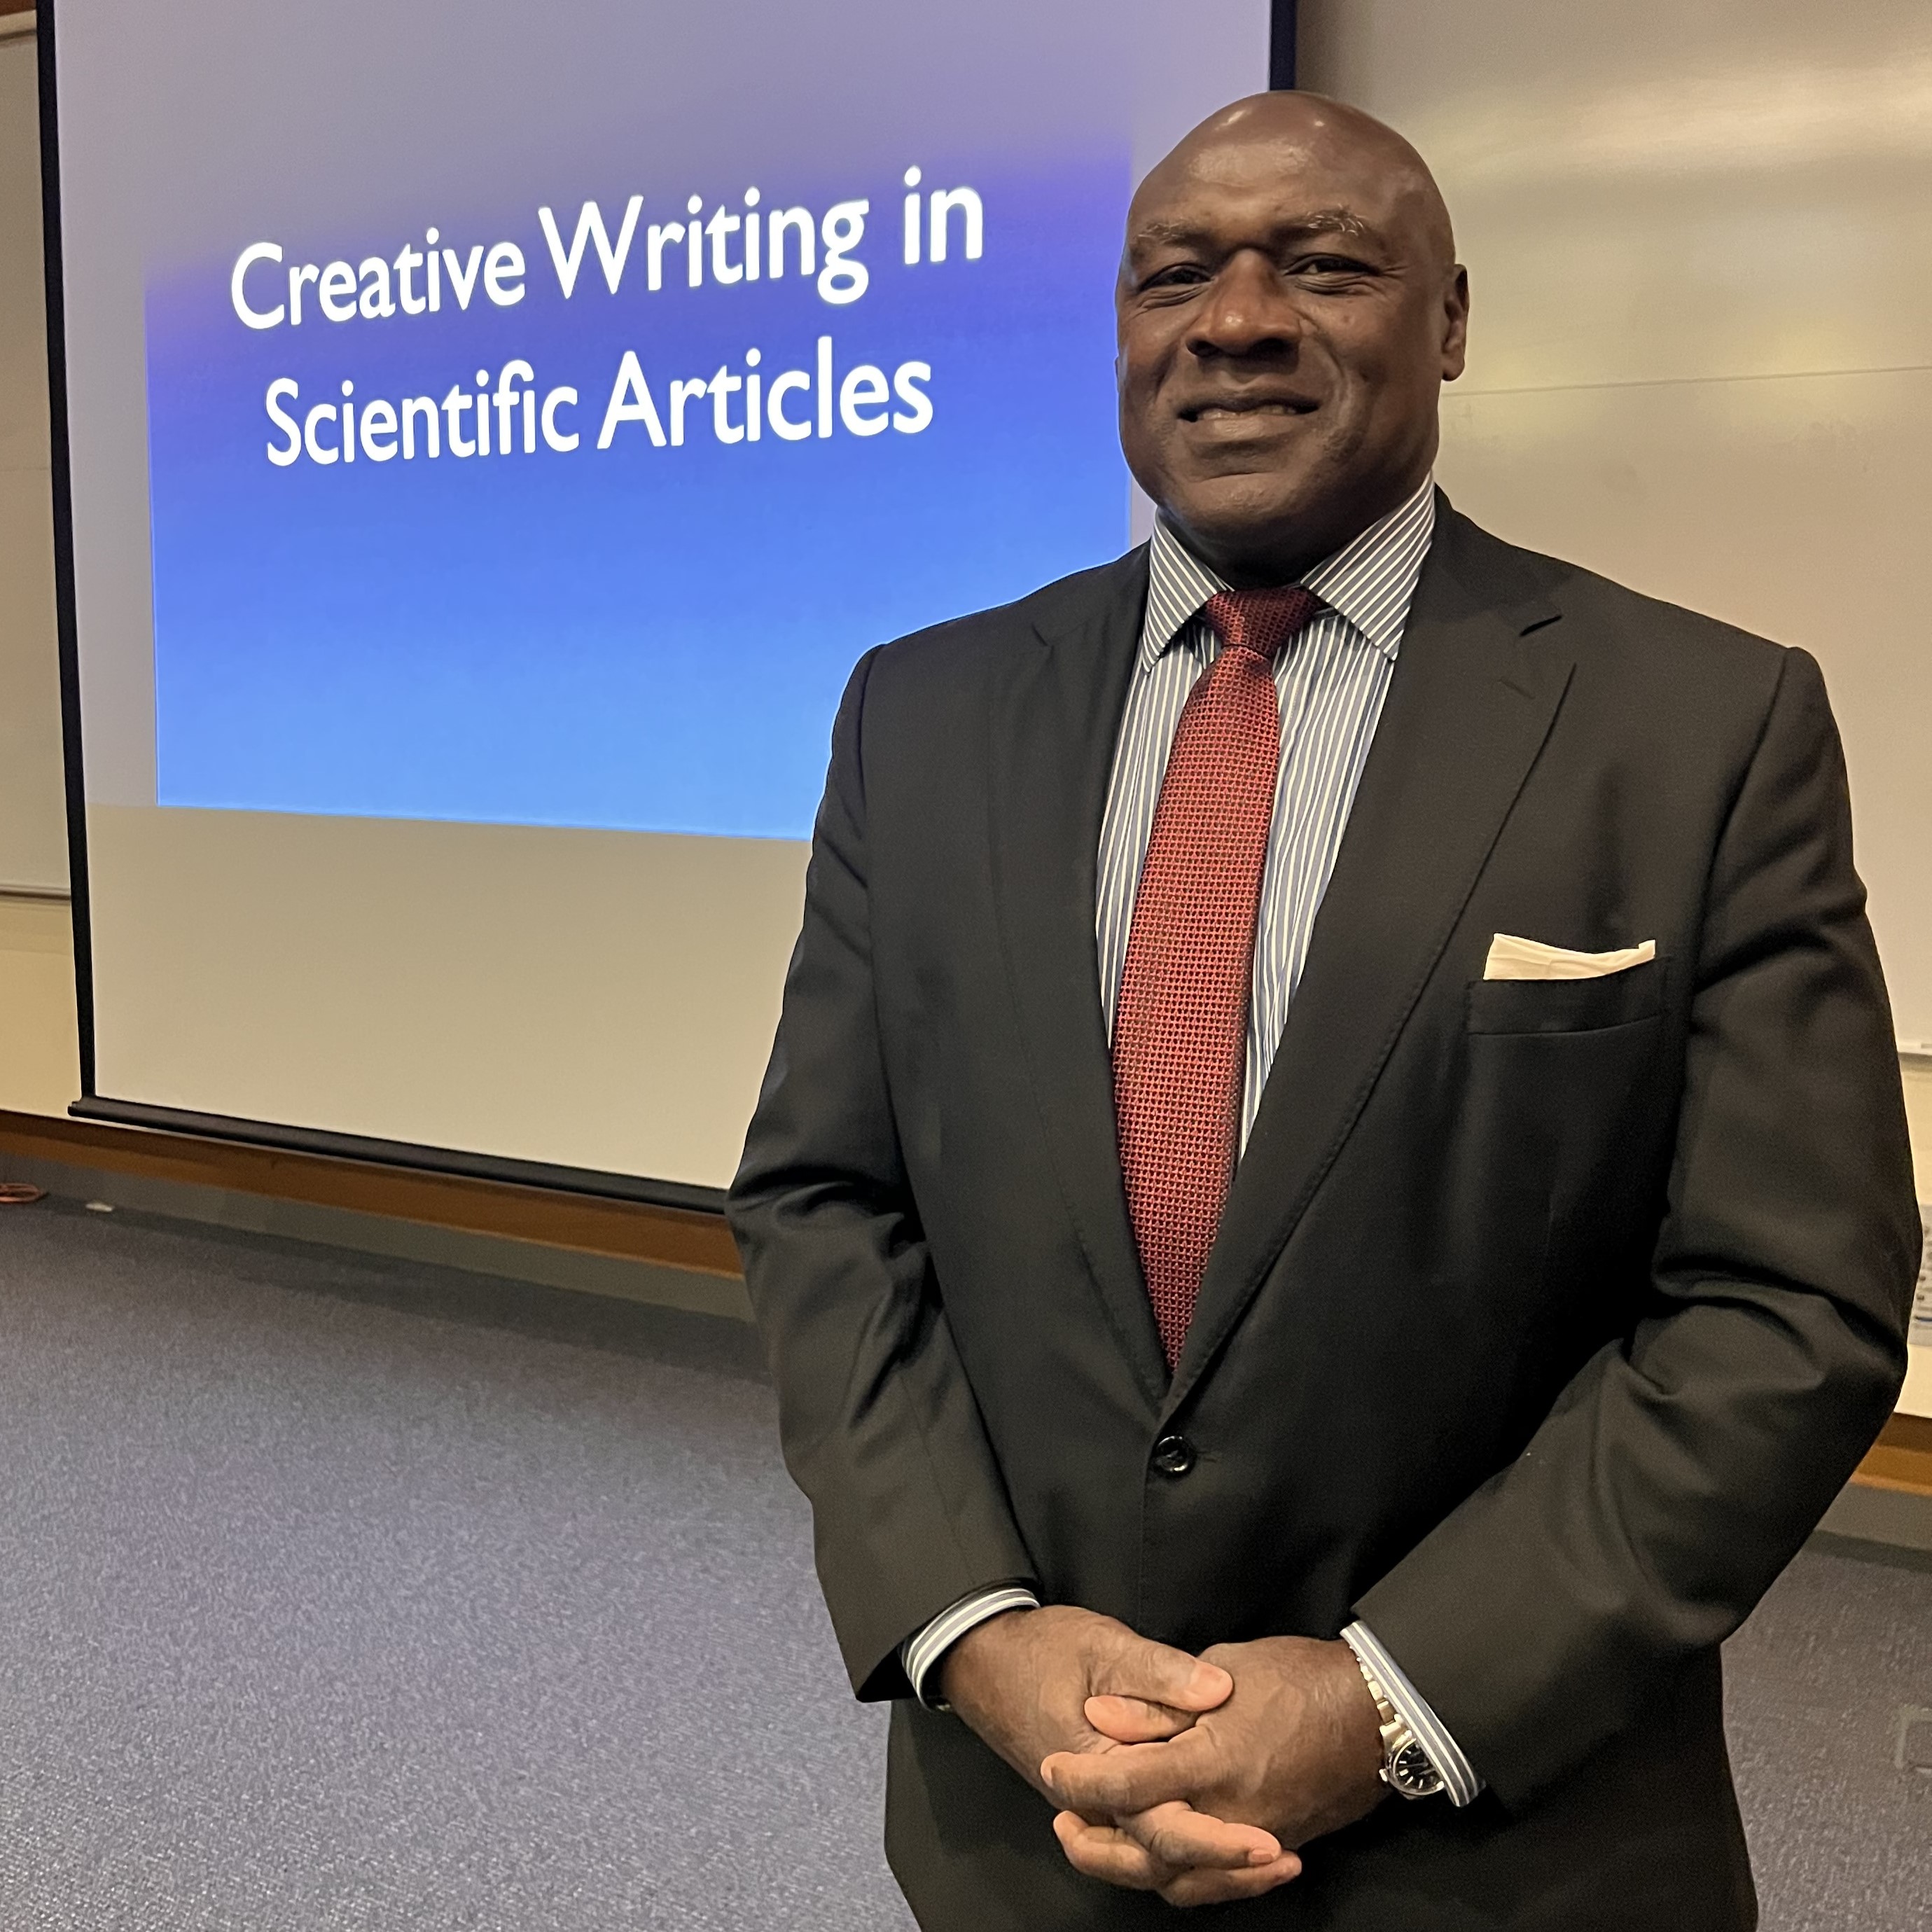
1513	958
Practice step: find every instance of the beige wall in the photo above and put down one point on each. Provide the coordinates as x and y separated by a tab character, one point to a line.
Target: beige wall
33	847
40	1063
1699	237
40	1058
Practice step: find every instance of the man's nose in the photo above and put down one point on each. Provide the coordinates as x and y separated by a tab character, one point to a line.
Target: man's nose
1249	309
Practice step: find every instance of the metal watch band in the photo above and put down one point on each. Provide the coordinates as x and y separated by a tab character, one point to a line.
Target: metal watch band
1406	1767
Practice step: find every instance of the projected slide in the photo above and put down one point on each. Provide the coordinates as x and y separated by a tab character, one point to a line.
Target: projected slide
567	491
492	434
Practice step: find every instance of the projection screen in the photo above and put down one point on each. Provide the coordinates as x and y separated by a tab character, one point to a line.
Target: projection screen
491	436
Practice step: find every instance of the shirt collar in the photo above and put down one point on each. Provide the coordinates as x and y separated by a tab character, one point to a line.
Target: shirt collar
1370	581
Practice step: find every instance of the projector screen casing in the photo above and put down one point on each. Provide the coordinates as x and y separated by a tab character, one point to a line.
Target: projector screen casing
343	1018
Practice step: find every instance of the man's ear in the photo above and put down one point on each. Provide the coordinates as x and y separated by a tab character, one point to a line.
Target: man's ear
1455	323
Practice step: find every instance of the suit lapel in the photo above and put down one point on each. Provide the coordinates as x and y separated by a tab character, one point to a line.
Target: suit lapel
1473	698
1055	720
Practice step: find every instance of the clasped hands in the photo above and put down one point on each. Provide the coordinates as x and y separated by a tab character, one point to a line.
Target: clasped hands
1195	1777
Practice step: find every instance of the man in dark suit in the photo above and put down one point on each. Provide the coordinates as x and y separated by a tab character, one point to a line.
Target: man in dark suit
1331	1203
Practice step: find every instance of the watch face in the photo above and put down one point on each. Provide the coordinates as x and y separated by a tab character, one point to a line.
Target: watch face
1412	1774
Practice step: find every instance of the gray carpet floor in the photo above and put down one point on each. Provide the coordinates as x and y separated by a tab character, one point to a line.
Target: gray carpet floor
341	1594
338	1595
1829	1701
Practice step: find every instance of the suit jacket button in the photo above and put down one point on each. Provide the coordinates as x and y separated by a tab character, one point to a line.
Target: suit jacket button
1174	1455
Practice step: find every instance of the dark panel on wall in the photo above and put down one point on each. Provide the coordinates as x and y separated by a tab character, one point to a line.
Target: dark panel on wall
1281	45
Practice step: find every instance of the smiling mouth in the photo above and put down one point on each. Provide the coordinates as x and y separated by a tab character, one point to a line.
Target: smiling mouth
1233	411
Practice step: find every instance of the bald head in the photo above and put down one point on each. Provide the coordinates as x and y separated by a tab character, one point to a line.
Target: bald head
1289	305
1293	134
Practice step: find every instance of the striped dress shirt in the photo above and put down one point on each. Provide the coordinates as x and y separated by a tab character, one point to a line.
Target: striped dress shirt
1331	682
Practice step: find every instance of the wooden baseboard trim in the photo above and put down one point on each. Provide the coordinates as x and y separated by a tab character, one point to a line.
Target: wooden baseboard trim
1901	1459
588	1224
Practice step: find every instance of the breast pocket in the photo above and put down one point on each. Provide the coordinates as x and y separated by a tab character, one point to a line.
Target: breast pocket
1567	1005
1553	1163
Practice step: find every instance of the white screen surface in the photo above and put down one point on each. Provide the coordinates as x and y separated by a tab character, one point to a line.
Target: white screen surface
458	797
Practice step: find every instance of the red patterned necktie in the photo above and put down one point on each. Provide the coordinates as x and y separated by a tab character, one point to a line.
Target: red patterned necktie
1180	1028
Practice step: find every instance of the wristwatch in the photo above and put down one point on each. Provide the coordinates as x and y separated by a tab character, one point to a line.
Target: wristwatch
1406	1769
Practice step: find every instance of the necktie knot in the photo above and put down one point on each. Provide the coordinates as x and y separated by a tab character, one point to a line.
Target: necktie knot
1262	621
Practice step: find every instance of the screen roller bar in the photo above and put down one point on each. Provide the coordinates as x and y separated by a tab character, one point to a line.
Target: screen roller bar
647	1193
1281	43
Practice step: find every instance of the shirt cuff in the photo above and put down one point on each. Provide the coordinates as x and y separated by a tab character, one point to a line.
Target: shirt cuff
1459	1776
921	1652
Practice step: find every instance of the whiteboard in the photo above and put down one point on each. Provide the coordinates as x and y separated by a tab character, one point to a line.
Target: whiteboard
33	810
1699	242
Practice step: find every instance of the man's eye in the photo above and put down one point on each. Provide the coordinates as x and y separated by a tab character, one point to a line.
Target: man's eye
1182	274
1329	265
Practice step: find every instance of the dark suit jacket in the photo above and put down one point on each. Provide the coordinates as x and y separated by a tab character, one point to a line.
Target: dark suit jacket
1545	1318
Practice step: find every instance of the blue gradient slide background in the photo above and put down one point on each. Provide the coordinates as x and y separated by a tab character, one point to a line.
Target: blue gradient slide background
640	638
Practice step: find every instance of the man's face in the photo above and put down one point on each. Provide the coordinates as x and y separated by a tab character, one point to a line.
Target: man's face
1287	310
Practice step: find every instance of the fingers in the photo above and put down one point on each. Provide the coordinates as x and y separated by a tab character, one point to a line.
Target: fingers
1105	1852
1133	1777
1157	1673
1178	1836
1133	1721
1218	1887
